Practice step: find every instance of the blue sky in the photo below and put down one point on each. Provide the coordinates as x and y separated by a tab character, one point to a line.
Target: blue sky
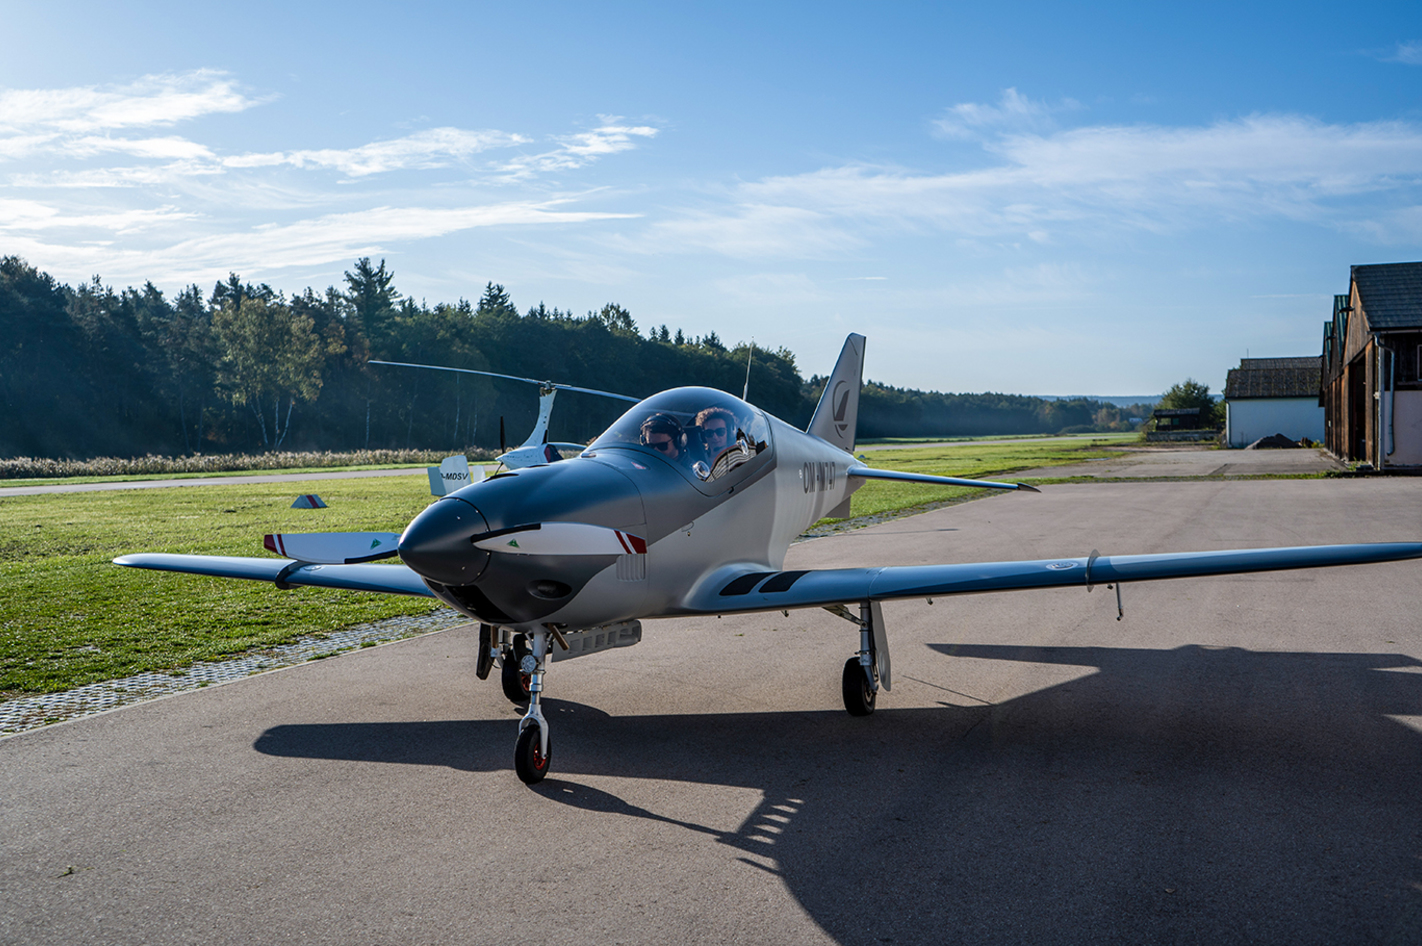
1029	198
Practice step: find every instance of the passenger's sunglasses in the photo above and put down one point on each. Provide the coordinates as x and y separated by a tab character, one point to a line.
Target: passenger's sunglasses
718	432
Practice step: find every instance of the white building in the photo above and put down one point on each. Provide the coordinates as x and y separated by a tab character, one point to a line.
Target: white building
1267	396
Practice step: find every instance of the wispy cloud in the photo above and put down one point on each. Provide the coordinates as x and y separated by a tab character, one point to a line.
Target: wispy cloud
424	150
577	150
1086	180
1409	53
1013	112
320	240
152	100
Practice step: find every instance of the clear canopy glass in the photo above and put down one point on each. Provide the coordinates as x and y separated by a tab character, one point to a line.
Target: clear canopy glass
704	430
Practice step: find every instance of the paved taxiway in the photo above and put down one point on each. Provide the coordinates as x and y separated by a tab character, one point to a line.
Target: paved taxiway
1237	761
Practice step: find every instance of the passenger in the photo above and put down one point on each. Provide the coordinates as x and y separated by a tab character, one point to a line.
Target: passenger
717	427
663	433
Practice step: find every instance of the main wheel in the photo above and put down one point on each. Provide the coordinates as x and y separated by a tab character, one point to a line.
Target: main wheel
530	762
858	696
514	680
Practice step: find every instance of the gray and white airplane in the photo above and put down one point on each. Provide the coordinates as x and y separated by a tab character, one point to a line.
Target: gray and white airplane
686	505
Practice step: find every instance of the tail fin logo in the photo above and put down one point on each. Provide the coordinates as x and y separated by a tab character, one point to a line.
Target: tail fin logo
840	399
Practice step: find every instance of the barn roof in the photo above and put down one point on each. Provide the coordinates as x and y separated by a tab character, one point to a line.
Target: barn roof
1274	377
1391	294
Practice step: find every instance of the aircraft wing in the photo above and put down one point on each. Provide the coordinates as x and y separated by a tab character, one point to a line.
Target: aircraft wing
733	589
869	473
388	579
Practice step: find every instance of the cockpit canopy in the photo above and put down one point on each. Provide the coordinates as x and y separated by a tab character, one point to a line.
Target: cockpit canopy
705	431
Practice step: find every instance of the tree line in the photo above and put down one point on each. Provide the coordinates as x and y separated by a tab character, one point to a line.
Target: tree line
91	370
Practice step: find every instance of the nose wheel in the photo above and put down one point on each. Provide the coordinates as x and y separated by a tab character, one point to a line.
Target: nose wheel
531	759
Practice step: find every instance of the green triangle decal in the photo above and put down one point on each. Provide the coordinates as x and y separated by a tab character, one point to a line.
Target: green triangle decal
513	542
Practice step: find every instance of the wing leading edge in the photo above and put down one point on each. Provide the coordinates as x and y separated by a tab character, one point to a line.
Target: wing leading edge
386	579
733	590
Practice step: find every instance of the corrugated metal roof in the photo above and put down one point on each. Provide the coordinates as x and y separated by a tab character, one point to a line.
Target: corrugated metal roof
1391	294
1274	377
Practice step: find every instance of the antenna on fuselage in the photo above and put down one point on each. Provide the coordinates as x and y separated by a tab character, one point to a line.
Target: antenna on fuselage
746	390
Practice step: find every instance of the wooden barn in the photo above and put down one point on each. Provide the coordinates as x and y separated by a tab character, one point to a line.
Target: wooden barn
1372	350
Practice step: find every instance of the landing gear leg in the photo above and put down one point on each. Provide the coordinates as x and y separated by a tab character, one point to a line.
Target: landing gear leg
533	751
513	676
860	684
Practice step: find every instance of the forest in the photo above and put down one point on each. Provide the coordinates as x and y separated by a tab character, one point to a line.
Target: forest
91	370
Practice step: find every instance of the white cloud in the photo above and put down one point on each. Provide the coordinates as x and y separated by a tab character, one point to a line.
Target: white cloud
151	100
1085	180
1409	53
577	150
433	148
264	249
33	215
1013	111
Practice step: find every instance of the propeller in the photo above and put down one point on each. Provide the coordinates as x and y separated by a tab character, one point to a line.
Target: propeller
560	538
334	548
503	446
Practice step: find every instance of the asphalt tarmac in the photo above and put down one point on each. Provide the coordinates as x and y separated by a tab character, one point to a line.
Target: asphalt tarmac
1238	761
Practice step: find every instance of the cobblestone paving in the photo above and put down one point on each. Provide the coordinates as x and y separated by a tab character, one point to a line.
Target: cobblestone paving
31	712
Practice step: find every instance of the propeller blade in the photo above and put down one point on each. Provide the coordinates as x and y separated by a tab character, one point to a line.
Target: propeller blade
334	548
503	447
561	538
510	377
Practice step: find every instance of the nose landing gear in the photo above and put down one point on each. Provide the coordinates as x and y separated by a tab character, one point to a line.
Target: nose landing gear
533	751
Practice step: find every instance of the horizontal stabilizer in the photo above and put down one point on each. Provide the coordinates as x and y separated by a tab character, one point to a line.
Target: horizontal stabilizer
386	579
869	473
333	548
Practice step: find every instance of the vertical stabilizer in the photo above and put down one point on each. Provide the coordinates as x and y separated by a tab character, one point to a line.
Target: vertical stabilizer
837	416
545	411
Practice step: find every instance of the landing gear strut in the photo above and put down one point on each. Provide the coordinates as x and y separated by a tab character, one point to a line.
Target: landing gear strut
513	676
865	672
533	751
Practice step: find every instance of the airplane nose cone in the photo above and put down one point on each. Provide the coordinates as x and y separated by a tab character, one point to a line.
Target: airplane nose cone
436	543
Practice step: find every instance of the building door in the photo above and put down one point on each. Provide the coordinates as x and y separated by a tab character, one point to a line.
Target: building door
1357	411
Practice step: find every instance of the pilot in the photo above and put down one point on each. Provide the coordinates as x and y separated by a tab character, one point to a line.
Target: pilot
664	433
717	428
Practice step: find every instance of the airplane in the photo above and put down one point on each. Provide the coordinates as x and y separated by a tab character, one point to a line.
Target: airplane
685	506
536	449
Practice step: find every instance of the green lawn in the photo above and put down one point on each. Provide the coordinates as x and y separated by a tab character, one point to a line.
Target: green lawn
68	616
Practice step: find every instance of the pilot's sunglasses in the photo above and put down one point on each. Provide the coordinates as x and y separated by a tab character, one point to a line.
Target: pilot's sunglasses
662	445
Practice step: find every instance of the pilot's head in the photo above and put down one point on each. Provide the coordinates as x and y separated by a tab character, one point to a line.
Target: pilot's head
663	433
718	426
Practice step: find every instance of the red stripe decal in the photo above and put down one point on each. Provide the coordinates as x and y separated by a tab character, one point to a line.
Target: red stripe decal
623	539
269	543
638	545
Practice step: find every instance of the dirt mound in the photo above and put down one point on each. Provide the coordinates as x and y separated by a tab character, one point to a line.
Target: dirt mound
1274	442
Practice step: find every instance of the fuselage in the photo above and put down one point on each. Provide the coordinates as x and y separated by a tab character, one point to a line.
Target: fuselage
698	512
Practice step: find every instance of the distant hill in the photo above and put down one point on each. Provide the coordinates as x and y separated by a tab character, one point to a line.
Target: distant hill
1120	400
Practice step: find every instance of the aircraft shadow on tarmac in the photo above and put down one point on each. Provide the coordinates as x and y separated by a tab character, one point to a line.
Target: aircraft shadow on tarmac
1190	795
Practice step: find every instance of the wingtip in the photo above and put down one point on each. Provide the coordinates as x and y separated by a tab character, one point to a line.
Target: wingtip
1030	489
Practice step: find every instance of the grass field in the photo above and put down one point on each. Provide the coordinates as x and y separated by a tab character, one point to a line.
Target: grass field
68	616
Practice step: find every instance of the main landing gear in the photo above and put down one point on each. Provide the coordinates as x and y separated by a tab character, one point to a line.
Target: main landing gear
524	662
866	671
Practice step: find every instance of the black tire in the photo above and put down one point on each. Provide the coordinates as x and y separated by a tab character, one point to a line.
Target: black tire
529	761
514	680
858	697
